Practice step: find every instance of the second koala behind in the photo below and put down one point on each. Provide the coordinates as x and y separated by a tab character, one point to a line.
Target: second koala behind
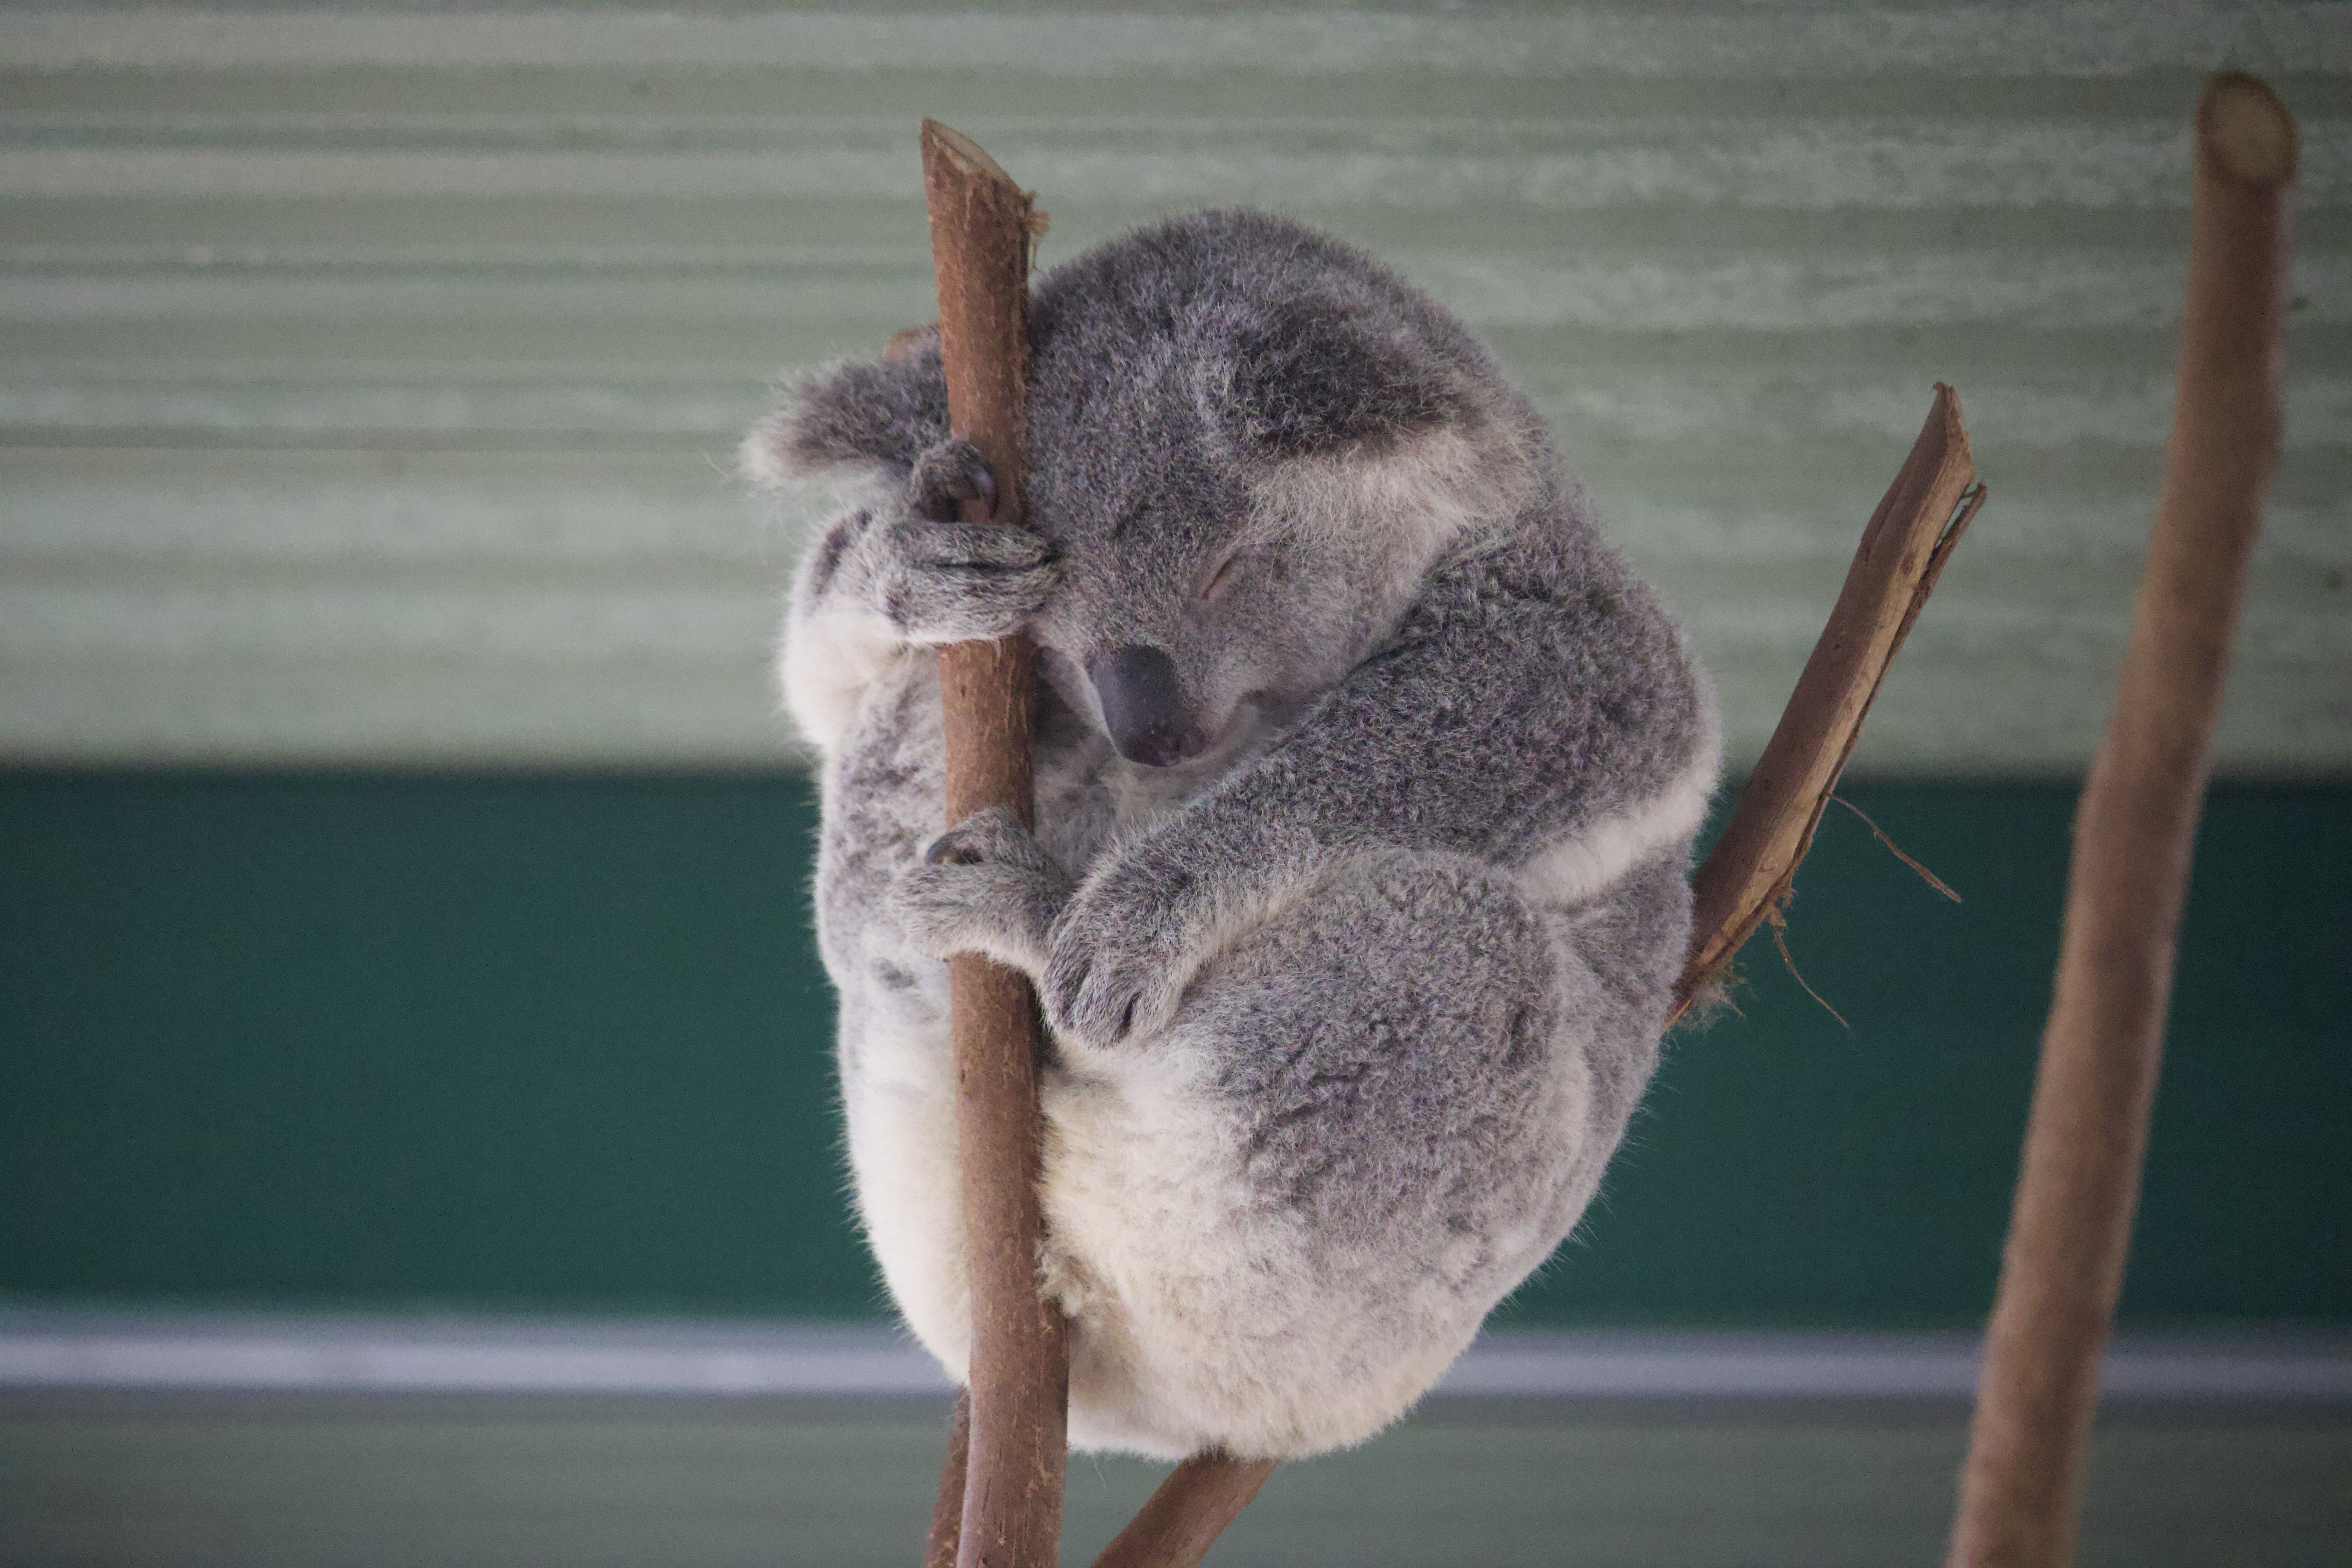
1367	777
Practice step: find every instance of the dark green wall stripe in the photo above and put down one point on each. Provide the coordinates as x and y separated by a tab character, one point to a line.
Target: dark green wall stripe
560	1042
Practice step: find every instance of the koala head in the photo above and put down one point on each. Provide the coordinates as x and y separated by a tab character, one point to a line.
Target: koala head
1249	442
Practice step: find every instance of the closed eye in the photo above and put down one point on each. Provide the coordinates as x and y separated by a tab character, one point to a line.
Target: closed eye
1220	579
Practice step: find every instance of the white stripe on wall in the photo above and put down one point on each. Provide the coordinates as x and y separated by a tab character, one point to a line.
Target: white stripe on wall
461	1355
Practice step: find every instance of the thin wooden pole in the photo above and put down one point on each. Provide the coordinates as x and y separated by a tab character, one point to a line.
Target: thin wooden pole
946	1513
981	223
1746	876
2070	1226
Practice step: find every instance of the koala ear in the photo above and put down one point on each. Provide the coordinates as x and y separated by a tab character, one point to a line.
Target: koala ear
1311	377
858	416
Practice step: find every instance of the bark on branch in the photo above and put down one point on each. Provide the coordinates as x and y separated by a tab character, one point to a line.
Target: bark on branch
1179	1522
2070	1224
1748	875
1010	1512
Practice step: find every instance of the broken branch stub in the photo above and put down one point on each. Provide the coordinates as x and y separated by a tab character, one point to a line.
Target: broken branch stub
1010	1516
1748	876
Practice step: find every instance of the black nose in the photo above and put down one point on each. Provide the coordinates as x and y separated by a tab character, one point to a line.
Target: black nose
1142	707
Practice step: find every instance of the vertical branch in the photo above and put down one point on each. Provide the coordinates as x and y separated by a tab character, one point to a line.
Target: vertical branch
2070	1226
946	1537
1019	1376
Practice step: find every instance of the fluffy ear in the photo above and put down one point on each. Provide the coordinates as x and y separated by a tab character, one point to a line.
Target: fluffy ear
873	415
1310	377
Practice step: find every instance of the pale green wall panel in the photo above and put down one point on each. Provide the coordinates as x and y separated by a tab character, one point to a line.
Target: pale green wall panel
370	376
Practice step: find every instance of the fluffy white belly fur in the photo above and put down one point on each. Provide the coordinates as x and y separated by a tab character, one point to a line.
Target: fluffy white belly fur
1200	1313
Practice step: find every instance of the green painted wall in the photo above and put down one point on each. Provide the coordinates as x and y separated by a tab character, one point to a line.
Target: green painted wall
560	1042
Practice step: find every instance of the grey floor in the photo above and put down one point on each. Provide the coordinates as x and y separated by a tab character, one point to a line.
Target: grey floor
481	1481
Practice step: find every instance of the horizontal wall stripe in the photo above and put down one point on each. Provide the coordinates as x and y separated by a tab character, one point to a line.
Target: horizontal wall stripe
705	413
2082	39
1569	166
566	1356
1752	293
72	510
565	528
395	714
437	622
1618	402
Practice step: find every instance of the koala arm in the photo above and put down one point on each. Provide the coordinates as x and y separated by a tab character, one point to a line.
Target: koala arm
1534	710
899	571
902	574
835	641
1529	697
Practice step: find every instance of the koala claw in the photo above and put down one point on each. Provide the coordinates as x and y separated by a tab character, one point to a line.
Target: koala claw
1105	1004
1112	977
951	472
948	849
984	886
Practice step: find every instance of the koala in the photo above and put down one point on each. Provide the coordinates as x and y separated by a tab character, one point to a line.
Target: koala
1367	778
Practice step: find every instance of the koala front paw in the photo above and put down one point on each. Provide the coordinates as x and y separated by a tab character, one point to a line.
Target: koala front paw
1119	958
984	886
940	581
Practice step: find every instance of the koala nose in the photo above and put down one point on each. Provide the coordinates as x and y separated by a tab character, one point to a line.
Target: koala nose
1142	707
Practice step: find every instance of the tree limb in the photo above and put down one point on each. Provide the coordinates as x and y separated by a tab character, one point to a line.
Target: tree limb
1019	1375
1748	875
2070	1223
1179	1522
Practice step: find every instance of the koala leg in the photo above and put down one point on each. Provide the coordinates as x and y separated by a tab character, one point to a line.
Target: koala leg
985	886
910	1186
1371	1119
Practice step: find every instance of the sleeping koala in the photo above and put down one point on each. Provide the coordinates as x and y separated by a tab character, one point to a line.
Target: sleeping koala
1366	782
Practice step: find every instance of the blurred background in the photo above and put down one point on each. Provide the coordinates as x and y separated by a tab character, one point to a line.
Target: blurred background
416	1133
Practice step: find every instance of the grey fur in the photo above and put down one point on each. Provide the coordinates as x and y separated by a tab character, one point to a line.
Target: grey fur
1400	932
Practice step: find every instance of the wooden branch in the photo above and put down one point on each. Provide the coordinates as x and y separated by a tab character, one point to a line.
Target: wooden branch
946	1536
1182	1520
1019	1375
2070	1225
1746	876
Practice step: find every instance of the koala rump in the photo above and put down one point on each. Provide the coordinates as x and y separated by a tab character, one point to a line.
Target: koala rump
1367	777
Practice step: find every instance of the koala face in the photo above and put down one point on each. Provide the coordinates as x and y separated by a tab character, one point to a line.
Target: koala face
1248	442
1247	468
1194	608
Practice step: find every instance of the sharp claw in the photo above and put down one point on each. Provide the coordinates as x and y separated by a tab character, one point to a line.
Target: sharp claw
951	851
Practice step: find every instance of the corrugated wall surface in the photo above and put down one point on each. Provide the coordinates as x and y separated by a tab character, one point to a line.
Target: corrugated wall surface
369	376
